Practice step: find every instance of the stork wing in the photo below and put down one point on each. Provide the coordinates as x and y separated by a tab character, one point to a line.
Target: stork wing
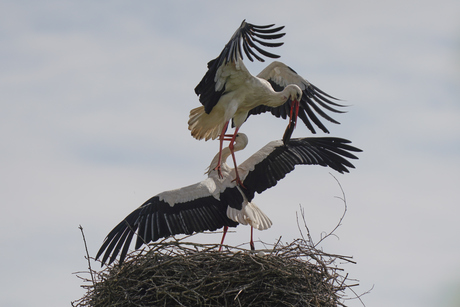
212	86
157	219
270	164
313	99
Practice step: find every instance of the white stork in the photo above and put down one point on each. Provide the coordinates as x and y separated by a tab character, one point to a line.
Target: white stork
228	91
219	202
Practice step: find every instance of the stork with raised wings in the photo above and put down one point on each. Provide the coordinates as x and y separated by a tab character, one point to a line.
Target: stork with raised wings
219	202
229	92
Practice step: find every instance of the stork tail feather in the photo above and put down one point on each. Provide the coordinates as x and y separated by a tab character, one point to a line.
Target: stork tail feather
250	214
202	126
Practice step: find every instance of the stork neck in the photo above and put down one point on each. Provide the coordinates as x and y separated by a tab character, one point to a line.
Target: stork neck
225	154
240	143
278	98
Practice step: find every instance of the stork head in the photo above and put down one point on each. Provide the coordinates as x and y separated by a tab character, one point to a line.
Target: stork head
241	141
293	92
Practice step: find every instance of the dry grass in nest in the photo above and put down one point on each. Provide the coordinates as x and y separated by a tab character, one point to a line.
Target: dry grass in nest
179	273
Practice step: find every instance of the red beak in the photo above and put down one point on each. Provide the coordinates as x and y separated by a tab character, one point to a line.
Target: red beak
295	110
292	121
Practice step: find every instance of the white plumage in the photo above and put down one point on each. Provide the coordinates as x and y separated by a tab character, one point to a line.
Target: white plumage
251	215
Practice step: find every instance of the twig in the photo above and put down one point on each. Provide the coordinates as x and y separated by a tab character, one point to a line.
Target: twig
332	232
87	254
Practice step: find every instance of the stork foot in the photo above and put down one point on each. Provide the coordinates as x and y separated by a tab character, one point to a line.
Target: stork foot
219	171
239	182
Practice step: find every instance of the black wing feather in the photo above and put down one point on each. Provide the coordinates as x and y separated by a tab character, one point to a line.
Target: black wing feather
313	100
324	151
243	41
156	219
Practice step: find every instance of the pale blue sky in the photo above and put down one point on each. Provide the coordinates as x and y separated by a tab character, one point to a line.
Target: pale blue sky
94	106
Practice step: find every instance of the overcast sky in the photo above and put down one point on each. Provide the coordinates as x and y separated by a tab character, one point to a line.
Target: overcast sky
95	98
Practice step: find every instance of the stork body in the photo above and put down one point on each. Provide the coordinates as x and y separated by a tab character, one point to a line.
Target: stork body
228	91
219	202
244	93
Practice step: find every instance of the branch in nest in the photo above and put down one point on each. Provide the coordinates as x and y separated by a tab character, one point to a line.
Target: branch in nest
177	272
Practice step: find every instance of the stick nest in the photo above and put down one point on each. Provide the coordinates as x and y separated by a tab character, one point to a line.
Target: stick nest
179	273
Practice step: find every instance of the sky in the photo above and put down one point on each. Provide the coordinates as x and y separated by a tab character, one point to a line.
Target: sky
95	98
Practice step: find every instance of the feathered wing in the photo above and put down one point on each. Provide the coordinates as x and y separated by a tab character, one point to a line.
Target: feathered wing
265	168
313	102
157	219
244	40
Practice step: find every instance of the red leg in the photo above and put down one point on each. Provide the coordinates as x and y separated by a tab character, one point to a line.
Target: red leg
232	142
221	140
251	243
223	237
